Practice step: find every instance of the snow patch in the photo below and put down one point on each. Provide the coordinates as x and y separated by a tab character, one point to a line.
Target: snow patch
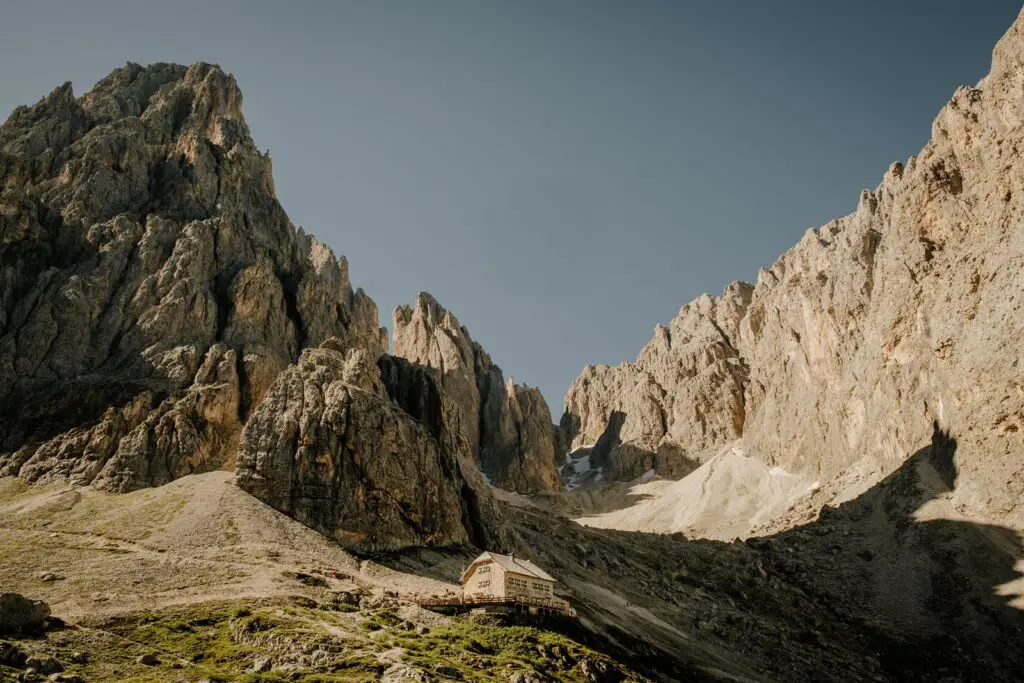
579	470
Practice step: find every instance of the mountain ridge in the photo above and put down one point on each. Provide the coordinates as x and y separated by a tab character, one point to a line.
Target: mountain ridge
858	338
155	296
161	319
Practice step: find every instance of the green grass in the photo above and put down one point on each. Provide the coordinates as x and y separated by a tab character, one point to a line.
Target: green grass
218	642
320	643
381	620
472	649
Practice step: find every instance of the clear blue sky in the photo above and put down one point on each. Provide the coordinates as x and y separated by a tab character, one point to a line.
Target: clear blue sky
561	174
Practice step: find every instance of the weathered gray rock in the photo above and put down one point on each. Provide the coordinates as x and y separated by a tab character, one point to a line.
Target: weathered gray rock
430	336
520	449
155	301
531	464
508	425
19	614
367	452
152	286
904	313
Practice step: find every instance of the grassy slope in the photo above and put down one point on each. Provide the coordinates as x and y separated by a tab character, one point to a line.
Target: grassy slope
308	641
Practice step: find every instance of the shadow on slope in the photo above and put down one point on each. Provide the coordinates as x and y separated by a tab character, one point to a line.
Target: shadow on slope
931	590
620	459
880	588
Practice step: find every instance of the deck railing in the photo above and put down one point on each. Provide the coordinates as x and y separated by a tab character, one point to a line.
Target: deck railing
553	604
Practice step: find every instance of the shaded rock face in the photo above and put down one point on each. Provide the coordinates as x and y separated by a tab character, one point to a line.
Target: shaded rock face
905	312
508	426
20	615
151	287
364	451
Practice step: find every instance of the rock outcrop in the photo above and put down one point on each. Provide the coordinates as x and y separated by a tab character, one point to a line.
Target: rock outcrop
161	316
676	405
152	286
904	313
365	451
21	615
508	425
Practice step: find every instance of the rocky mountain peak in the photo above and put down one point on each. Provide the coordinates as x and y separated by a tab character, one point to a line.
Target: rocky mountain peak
160	315
676	404
510	426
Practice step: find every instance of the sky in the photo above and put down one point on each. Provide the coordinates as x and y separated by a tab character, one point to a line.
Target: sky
562	175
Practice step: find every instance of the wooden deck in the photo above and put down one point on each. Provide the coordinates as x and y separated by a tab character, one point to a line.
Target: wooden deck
459	603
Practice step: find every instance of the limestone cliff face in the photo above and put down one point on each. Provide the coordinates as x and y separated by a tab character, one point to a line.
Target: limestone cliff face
160	315
364	452
430	336
508	425
680	400
904	313
152	287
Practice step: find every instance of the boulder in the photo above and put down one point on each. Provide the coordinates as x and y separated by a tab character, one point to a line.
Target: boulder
148	659
367	452
19	614
11	655
44	665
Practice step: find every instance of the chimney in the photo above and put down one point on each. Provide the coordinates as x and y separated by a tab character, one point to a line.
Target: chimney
512	555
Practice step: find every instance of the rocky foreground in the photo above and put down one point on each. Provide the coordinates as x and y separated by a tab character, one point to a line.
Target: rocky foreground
883	587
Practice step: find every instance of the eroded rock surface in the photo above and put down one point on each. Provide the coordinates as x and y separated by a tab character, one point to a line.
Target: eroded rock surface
365	451
508	425
676	405
161	316
152	286
904	313
21	615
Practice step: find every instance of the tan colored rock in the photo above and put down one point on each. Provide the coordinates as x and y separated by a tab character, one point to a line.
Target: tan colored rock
905	313
429	335
676	405
152	286
366	453
508	425
533	467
